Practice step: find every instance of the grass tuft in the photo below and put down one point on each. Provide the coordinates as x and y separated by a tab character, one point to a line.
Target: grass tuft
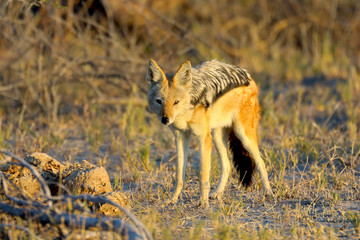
72	84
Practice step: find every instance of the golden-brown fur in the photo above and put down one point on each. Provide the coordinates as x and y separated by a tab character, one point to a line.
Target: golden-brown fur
237	110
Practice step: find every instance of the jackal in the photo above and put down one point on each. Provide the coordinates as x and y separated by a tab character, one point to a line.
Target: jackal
216	102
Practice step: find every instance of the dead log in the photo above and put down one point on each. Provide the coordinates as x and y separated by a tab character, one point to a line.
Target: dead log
44	211
74	221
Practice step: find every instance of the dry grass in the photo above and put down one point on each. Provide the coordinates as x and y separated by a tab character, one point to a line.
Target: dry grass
73	86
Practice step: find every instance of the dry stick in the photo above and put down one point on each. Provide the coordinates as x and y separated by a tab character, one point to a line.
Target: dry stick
10	86
94	199
103	200
121	101
74	221
179	30
172	26
37	175
16	58
19	227
14	199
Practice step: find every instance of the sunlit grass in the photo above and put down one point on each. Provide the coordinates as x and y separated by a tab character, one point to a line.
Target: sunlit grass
73	85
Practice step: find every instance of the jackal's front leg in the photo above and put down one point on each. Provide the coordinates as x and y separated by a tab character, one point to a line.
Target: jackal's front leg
220	139
205	160
182	146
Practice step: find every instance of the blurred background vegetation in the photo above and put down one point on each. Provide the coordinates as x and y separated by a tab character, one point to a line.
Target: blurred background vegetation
72	84
57	56
72	73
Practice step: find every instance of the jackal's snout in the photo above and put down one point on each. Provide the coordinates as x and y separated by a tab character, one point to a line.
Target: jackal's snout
164	120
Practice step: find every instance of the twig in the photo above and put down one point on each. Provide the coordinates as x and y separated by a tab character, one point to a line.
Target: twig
10	86
37	175
172	26
179	30
14	199
103	200
121	101
19	227
17	57
73	220
45	216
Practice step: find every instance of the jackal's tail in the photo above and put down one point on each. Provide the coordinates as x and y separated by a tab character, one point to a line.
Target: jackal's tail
242	160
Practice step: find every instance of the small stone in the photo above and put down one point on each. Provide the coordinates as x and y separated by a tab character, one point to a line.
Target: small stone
86	178
118	198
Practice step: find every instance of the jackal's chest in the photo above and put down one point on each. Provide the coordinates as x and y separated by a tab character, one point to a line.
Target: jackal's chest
194	127
194	121
181	122
185	120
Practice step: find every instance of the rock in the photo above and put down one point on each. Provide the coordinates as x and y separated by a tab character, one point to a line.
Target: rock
117	197
23	179
29	185
50	168
79	178
87	178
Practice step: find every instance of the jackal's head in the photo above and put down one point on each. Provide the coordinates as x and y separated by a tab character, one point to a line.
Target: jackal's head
168	94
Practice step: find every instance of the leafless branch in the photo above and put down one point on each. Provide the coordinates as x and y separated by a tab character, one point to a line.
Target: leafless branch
47	213
73	221
19	227
37	175
14	199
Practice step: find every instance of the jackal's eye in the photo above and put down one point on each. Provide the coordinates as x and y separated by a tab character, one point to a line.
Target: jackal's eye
159	101
176	102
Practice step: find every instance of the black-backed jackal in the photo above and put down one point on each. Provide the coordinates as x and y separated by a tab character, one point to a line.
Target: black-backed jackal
216	102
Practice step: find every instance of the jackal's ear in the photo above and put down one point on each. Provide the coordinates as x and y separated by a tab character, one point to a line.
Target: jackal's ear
154	73
183	74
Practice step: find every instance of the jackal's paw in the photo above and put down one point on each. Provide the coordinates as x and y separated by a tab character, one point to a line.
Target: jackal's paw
269	195
172	200
169	202
204	204
216	195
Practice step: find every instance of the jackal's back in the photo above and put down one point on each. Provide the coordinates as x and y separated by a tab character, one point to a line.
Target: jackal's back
212	79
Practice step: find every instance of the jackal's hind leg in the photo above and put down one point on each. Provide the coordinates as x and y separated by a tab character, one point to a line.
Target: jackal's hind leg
248	138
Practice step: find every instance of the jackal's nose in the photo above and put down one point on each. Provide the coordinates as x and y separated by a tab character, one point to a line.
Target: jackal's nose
165	120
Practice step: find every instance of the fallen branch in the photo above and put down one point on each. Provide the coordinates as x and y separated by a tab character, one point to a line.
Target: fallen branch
47	213
74	221
10	86
121	101
37	175
15	199
21	228
104	200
